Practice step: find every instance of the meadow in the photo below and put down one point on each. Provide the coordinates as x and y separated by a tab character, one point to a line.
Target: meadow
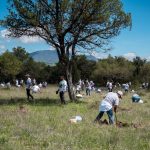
44	124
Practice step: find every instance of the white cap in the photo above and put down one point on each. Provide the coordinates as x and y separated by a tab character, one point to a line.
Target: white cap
120	93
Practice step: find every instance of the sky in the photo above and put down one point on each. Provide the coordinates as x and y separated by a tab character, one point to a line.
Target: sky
130	43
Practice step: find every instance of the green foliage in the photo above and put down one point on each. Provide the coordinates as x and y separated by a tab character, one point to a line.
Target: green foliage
66	24
118	69
10	66
17	64
85	67
138	63
20	53
145	72
81	22
45	124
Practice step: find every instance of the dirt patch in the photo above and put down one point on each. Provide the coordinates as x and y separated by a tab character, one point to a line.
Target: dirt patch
105	122
123	124
22	109
120	124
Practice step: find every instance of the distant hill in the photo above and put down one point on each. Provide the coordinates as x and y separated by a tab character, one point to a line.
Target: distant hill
47	56
50	56
91	57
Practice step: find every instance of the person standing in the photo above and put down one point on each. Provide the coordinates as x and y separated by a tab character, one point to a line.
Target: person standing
78	88
88	88
82	85
126	87
62	89
110	86
28	87
34	81
108	103
21	82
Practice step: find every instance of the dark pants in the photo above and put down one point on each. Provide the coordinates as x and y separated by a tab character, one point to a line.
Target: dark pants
110	116
110	89
77	91
62	99
28	94
88	91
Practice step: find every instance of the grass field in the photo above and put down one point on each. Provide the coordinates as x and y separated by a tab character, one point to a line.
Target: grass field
45	123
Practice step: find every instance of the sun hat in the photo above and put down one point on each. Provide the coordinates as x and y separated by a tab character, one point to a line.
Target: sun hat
120	93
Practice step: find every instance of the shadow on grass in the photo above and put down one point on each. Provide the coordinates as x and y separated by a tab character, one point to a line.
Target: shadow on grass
36	102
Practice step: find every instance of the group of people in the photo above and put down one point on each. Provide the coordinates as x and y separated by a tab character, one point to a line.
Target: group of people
86	85
19	83
110	85
145	85
109	103
32	85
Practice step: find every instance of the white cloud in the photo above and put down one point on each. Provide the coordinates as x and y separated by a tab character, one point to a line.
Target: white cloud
27	39
2	46
1	52
3	33
129	56
148	58
100	55
23	39
51	48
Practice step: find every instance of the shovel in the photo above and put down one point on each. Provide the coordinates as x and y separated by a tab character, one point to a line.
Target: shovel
116	118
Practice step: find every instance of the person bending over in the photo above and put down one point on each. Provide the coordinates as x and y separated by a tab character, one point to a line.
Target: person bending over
108	103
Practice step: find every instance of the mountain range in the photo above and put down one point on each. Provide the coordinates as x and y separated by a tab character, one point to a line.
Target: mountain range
50	57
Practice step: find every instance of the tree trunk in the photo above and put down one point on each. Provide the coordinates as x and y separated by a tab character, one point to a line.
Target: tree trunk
71	91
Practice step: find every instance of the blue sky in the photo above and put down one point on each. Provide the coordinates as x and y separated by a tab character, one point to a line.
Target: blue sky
128	43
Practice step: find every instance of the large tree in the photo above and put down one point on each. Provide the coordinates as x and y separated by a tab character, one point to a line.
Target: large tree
68	25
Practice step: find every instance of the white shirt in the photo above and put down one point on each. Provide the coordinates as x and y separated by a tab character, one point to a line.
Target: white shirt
63	86
109	101
17	82
110	85
126	86
35	89
80	82
29	83
40	85
78	87
88	86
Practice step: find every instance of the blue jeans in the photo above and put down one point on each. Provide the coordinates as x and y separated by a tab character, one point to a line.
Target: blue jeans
110	116
88	91
136	99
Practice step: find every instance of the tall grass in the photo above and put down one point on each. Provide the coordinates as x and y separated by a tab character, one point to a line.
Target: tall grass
45	123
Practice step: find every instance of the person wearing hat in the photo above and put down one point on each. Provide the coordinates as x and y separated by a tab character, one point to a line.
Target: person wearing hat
28	87
110	102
